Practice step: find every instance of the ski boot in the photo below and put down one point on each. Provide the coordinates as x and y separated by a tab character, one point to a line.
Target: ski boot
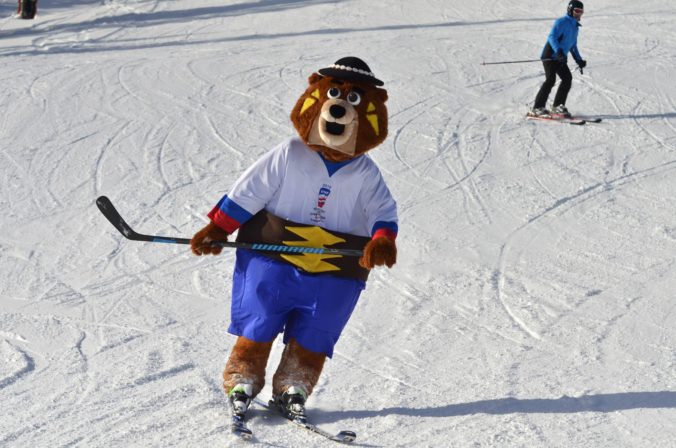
561	111
291	404
538	112
239	398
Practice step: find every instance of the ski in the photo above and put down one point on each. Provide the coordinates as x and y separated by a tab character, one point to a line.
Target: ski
574	120
341	437
589	119
554	119
239	428
579	118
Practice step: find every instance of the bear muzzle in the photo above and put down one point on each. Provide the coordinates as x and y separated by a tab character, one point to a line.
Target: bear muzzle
337	123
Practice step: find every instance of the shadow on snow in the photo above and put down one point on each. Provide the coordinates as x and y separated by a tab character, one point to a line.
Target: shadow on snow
155	18
564	405
636	116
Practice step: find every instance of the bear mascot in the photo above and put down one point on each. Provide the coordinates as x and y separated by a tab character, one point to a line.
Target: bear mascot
317	189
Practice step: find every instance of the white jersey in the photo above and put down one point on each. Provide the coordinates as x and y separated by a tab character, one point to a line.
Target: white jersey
295	183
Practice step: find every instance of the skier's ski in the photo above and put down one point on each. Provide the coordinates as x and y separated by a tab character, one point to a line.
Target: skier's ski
560	119
578	118
342	436
589	119
239	428
575	120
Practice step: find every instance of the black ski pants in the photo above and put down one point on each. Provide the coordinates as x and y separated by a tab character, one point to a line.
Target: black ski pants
552	69
28	8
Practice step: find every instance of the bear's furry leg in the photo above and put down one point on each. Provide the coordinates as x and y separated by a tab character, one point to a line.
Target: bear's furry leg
298	367
246	364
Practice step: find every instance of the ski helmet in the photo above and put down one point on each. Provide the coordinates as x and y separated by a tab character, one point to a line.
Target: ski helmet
573	5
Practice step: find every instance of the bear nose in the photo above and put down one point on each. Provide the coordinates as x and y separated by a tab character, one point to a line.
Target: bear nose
337	111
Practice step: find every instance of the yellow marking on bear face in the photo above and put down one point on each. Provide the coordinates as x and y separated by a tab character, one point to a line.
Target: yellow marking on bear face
308	103
373	120
371	108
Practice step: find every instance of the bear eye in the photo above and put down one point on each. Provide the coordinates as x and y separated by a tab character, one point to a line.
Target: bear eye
333	93
353	98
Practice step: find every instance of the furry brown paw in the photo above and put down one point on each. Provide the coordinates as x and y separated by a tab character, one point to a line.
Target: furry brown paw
200	241
378	252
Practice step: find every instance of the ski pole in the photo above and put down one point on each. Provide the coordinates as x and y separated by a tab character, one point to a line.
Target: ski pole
516	62
108	209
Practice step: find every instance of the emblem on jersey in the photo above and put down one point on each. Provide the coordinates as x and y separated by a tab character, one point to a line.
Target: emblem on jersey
324	193
318	215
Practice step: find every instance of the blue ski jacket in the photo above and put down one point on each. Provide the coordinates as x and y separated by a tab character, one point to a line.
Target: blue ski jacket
563	37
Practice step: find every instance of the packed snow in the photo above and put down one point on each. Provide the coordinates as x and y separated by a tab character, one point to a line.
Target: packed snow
533	300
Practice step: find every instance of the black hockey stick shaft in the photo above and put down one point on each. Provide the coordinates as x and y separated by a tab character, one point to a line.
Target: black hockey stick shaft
516	62
110	212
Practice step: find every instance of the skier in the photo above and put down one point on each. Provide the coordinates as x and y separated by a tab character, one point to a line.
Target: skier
27	8
561	40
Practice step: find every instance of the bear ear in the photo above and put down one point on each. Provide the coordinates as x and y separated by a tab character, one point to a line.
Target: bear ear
382	94
314	78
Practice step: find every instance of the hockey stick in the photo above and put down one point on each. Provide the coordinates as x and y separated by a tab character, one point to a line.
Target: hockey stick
108	209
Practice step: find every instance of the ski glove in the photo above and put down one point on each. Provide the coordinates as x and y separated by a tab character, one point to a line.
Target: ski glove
559	57
379	251
200	241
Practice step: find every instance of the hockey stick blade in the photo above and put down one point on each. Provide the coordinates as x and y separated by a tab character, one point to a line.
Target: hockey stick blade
110	212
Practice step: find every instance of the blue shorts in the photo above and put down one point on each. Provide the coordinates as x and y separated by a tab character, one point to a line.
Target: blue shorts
270	297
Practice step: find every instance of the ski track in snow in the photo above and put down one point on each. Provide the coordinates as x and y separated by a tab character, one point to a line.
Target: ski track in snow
532	302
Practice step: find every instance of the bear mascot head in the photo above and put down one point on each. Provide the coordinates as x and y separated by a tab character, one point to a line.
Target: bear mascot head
342	113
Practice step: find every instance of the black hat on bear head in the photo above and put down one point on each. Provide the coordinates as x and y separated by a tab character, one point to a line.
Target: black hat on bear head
351	69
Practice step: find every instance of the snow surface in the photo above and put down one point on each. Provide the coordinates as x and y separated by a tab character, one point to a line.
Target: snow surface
533	301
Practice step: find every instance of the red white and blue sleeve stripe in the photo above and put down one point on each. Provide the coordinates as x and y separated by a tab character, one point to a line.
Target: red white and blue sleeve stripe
385	229
228	215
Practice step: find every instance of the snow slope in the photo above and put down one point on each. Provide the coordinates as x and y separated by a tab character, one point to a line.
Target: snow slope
533	302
